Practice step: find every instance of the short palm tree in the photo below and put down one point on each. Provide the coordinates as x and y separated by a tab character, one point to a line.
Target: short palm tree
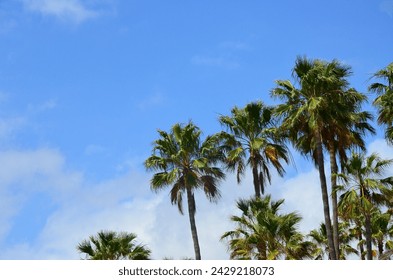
364	189
111	245
319	238
263	233
252	141
382	231
186	163
384	101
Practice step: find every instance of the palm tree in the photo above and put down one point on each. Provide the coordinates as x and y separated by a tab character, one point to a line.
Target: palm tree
365	189
319	238
252	141
263	233
308	112
382	231
384	101
297	248
186	163
111	245
353	217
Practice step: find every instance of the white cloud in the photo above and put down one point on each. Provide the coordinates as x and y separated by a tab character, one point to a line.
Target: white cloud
384	151
106	207
68	10
387	7
24	165
10	205
25	173
81	209
380	147
302	194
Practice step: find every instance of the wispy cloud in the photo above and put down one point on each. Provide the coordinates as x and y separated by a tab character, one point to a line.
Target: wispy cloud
6	25
222	62
224	55
67	10
10	125
235	45
20	166
42	107
387	7
152	100
3	97
94	149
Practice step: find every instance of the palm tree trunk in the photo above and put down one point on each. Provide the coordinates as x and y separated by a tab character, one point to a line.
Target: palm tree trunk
367	223
333	182
380	247
325	196
191	214
256	179
368	234
261	247
360	240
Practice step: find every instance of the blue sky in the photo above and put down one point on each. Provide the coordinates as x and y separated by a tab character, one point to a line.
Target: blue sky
85	84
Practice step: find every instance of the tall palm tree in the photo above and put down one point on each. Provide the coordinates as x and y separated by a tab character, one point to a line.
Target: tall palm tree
346	132
384	101
252	141
186	163
111	245
263	233
308	112
343	132
365	189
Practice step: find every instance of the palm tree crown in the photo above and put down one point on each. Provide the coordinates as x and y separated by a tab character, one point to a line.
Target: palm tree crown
384	101
252	141
111	245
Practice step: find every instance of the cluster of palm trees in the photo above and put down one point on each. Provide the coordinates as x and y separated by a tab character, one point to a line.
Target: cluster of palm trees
262	232
320	115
